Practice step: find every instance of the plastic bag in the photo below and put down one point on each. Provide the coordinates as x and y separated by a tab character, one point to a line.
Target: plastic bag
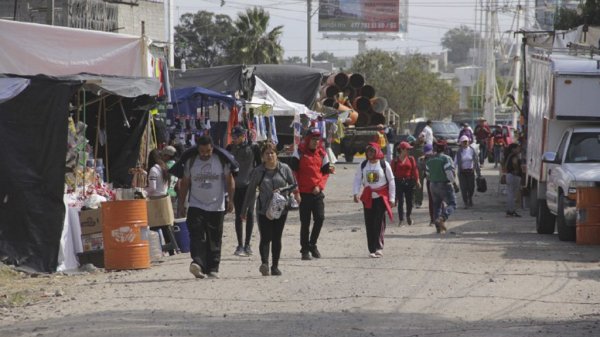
276	206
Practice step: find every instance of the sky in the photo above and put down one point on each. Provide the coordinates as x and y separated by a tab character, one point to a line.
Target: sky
428	21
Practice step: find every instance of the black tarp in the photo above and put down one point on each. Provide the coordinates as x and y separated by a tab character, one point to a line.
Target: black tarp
33	134
224	79
299	84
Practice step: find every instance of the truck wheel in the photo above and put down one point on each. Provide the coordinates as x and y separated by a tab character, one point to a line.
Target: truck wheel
565	233
533	200
544	221
349	157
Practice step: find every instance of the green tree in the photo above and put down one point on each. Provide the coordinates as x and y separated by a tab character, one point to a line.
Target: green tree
202	39
458	41
251	42
444	100
567	18
294	60
591	12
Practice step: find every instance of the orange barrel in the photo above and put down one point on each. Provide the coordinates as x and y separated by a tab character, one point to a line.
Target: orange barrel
367	91
328	102
125	233
379	104
588	216
329	91
363	119
377	118
361	104
339	79
357	81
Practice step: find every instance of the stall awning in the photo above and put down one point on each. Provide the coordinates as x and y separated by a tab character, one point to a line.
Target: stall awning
187	100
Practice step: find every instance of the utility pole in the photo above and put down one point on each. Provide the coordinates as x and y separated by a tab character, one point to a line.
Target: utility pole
489	108
50	12
308	37
517	62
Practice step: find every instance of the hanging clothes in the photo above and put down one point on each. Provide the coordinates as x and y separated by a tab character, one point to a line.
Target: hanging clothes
273	130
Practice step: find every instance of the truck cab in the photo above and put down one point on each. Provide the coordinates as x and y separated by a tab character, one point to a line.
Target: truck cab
576	163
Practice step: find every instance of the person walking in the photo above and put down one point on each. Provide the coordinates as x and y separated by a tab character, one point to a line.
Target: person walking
158	175
482	136
406	175
207	179
514	172
375	176
268	177
427	133
248	157
427	153
311	167
441	174
498	139
467	164
466	131
417	152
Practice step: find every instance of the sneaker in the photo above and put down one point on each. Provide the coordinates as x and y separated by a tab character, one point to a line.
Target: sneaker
516	215
400	223
196	270
417	206
248	250
379	253
314	252
213	274
509	214
373	255
306	256
264	269
431	223
275	271
239	251
409	221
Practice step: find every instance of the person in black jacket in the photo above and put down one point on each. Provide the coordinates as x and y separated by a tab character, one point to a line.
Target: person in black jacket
248	157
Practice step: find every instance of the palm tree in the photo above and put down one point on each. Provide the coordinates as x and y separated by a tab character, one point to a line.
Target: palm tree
252	43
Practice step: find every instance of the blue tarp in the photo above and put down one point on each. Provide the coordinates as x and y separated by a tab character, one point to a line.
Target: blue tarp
187	100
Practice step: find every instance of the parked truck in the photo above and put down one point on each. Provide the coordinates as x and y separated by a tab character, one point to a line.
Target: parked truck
563	138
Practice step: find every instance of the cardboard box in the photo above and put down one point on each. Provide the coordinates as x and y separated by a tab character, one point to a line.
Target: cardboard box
160	212
90	221
92	242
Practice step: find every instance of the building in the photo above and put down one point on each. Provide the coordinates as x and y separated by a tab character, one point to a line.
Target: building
123	16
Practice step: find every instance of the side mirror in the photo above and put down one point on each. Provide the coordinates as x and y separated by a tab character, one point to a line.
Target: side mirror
550	157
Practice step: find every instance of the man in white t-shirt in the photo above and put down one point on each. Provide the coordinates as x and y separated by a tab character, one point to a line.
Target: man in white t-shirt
207	179
427	133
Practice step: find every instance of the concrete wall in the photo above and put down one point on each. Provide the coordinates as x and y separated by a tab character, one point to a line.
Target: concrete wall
151	12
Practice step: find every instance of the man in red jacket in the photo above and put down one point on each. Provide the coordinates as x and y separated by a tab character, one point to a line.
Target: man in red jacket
312	168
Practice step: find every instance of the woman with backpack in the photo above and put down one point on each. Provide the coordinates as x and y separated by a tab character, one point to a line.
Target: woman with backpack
406	176
269	177
375	177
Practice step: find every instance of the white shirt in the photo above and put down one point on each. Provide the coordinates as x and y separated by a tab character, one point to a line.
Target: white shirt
428	134
207	180
156	184
467	155
373	175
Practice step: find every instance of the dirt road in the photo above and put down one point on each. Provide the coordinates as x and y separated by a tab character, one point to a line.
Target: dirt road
489	276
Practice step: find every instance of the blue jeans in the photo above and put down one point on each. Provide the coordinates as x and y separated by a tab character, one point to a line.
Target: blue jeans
442	193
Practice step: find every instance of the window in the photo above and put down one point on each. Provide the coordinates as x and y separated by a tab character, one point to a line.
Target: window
584	148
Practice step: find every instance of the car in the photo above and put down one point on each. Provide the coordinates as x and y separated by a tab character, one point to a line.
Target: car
442	130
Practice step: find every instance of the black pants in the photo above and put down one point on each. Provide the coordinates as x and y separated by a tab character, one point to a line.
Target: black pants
271	232
375	224
206	235
238	201
466	180
405	189
311	205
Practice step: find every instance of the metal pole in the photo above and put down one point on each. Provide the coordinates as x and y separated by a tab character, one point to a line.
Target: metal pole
308	37
50	12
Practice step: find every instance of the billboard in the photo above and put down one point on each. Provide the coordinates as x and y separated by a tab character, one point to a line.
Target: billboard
369	16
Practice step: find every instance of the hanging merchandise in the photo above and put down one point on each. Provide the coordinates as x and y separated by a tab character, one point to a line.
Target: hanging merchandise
259	127
273	130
